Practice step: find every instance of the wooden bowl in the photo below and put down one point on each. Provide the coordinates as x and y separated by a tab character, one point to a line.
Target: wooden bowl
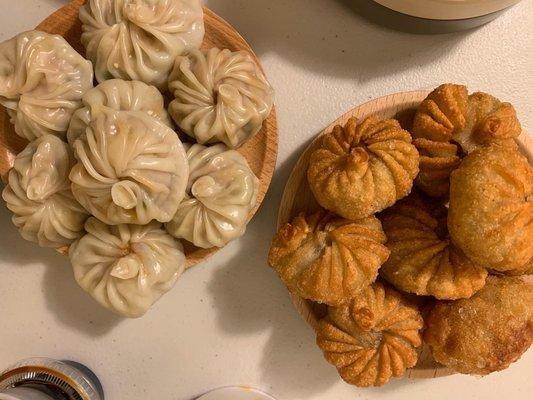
297	197
260	151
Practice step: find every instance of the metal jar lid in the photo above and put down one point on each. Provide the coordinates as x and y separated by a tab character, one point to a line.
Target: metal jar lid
56	376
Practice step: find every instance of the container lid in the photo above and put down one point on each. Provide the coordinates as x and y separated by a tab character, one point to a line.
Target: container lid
447	9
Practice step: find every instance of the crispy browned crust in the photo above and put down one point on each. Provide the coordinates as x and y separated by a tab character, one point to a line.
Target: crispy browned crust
372	338
491	208
437	161
328	259
441	115
488	120
485	333
422	260
449	115
360	169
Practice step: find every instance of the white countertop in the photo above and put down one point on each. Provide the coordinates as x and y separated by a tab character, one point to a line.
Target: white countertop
230	321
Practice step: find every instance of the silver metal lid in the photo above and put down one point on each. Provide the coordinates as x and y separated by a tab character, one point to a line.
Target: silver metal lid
65	378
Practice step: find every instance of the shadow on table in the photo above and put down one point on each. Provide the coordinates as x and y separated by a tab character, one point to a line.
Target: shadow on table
70	305
292	30
250	298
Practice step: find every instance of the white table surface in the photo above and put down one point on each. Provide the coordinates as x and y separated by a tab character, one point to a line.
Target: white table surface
230	321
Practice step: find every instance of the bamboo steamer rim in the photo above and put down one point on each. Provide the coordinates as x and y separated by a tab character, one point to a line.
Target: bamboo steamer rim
298	197
260	151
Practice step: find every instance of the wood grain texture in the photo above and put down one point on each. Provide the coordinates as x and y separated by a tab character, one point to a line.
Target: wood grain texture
260	151
297	197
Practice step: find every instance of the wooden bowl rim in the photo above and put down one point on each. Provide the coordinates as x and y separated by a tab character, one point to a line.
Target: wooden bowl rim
267	153
409	98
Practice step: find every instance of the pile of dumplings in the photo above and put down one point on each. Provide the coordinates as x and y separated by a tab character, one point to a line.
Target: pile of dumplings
424	234
105	173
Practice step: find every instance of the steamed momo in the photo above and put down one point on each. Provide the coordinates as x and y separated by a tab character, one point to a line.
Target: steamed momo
131	168
221	192
220	96
139	39
126	268
118	95
38	193
42	80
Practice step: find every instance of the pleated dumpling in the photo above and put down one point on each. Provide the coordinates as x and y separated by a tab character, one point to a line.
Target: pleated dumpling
118	95
42	81
126	268
488	120
328	259
221	192
38	193
439	117
450	123
220	96
373	337
491	208
139	39
357	170
423	260
131	168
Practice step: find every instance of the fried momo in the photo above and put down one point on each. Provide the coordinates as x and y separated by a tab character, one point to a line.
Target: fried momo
491	208
423	260
357	170
485	333
328	259
373	337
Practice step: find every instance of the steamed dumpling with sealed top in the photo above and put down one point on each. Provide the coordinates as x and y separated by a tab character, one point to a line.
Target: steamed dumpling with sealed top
359	169
131	168
126	268
221	192
38	193
42	81
118	95
220	96
139	39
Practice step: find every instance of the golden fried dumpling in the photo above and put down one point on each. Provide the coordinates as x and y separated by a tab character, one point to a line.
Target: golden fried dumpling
437	161
372	338
441	115
488	120
328	259
360	169
486	332
491	208
423	261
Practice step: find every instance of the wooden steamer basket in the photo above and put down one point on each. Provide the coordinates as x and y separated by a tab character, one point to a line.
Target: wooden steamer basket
260	151
297	197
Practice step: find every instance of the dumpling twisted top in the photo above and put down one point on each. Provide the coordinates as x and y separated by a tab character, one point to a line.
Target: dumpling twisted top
328	259
131	168
360	169
38	193
42	80
118	95
139	39
447	117
126	268
488	120
372	338
491	208
222	190
220	96
423	260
